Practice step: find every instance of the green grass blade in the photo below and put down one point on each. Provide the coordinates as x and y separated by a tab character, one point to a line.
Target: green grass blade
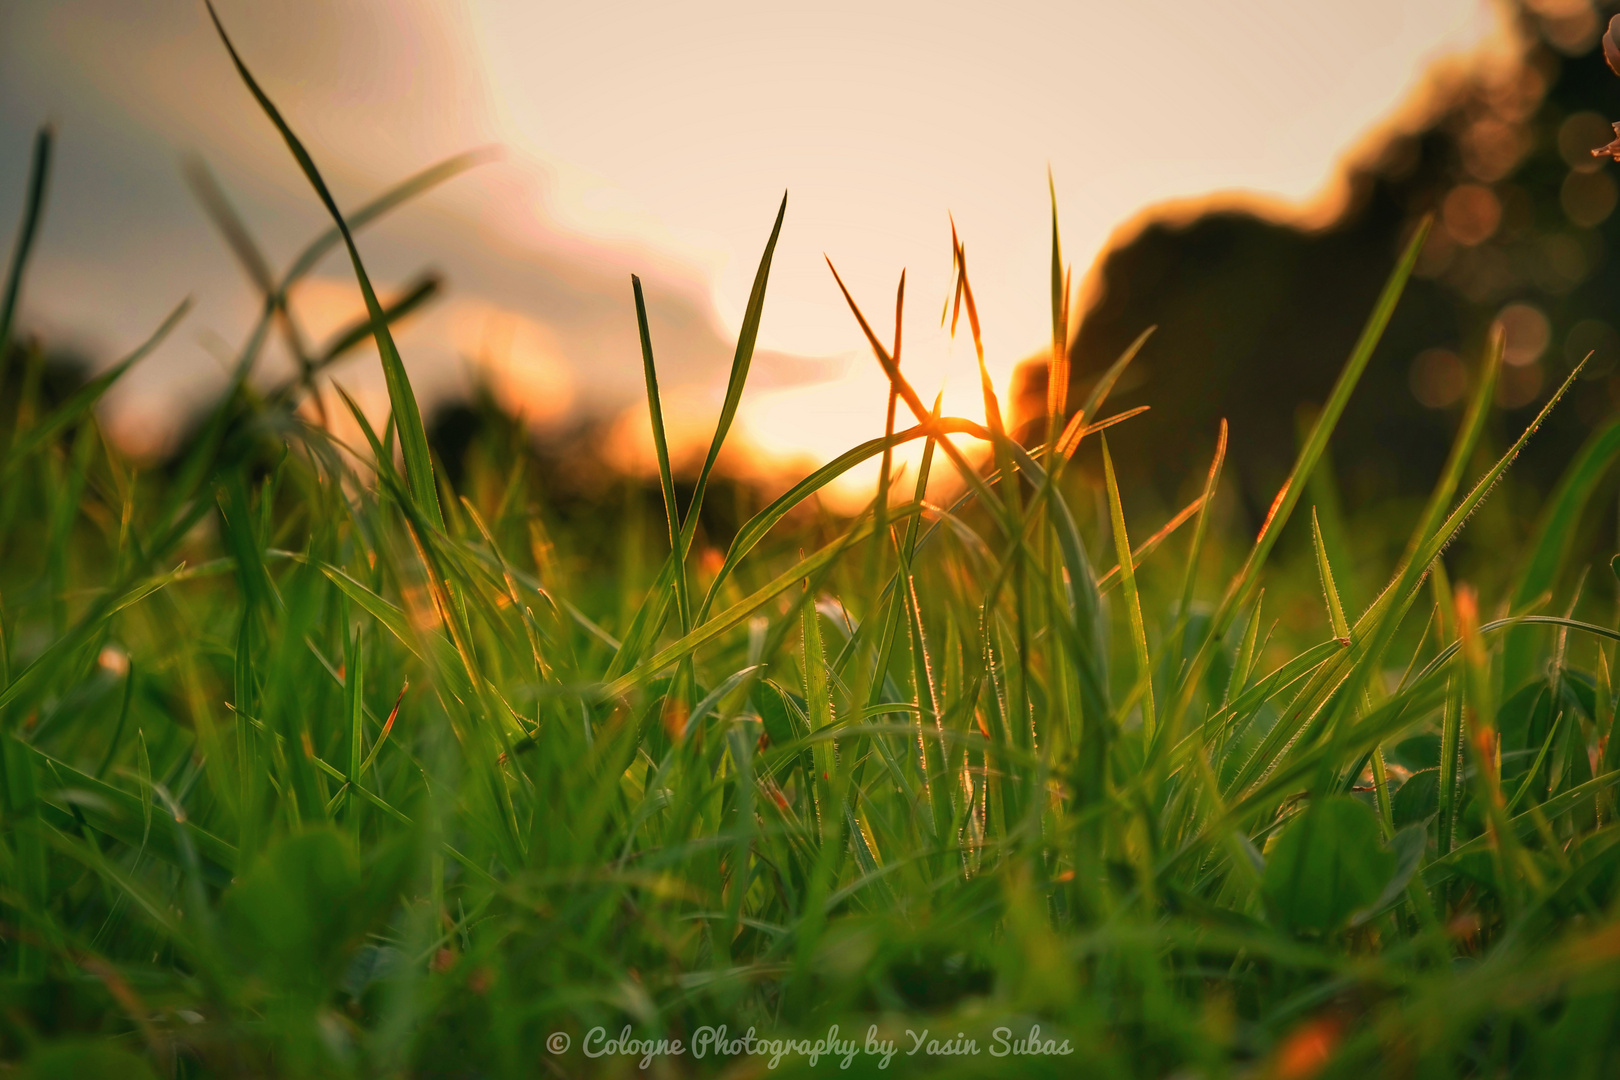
886	469
895	603
407	417
1462	451
819	709
1133	602
1454	522
27	870
1324	570
666	479
908	394
354	687
1212	482
1147	547
723	621
741	360
85	397
1105	385
1243	664
756	528
122	816
39	171
413	296
370	211
1283	505
1057	370
1376	627
217	205
1189	581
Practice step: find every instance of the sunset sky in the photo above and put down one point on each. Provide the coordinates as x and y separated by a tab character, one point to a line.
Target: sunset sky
658	138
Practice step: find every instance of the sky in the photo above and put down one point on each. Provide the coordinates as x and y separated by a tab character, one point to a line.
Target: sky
658	139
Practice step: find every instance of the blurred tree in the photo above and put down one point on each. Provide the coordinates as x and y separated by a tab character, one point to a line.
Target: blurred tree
1256	317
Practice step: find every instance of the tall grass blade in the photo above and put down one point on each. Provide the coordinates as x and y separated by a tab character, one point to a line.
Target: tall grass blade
819	706
412	296
217	205
407	417
1282	506
1212	482
39	170
1243	663
747	335
1324	570
666	479
85	397
1133	601
1151	544
1057	371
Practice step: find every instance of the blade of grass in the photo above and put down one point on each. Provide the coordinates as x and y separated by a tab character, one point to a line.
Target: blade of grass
407	417
747	335
1282	506
1324	570
412	296
648	616
1105	385
1151	544
39	171
908	394
666	479
1212	481
389	200
1243	663
1057	370
819	708
85	398
1377	626
723	621
1133	602
354	689
886	470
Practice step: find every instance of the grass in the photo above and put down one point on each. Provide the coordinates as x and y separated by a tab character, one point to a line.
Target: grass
316	766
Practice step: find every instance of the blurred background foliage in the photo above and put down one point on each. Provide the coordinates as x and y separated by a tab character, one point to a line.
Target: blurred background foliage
1255	316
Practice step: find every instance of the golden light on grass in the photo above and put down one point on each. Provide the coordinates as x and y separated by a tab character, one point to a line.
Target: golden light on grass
610	779
879	134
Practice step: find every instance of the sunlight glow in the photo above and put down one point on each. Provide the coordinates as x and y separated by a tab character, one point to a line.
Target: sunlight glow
685	123
658	139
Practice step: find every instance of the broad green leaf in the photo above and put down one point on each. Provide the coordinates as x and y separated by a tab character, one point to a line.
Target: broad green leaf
1327	864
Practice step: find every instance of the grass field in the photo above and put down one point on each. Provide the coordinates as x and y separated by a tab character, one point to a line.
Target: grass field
314	766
